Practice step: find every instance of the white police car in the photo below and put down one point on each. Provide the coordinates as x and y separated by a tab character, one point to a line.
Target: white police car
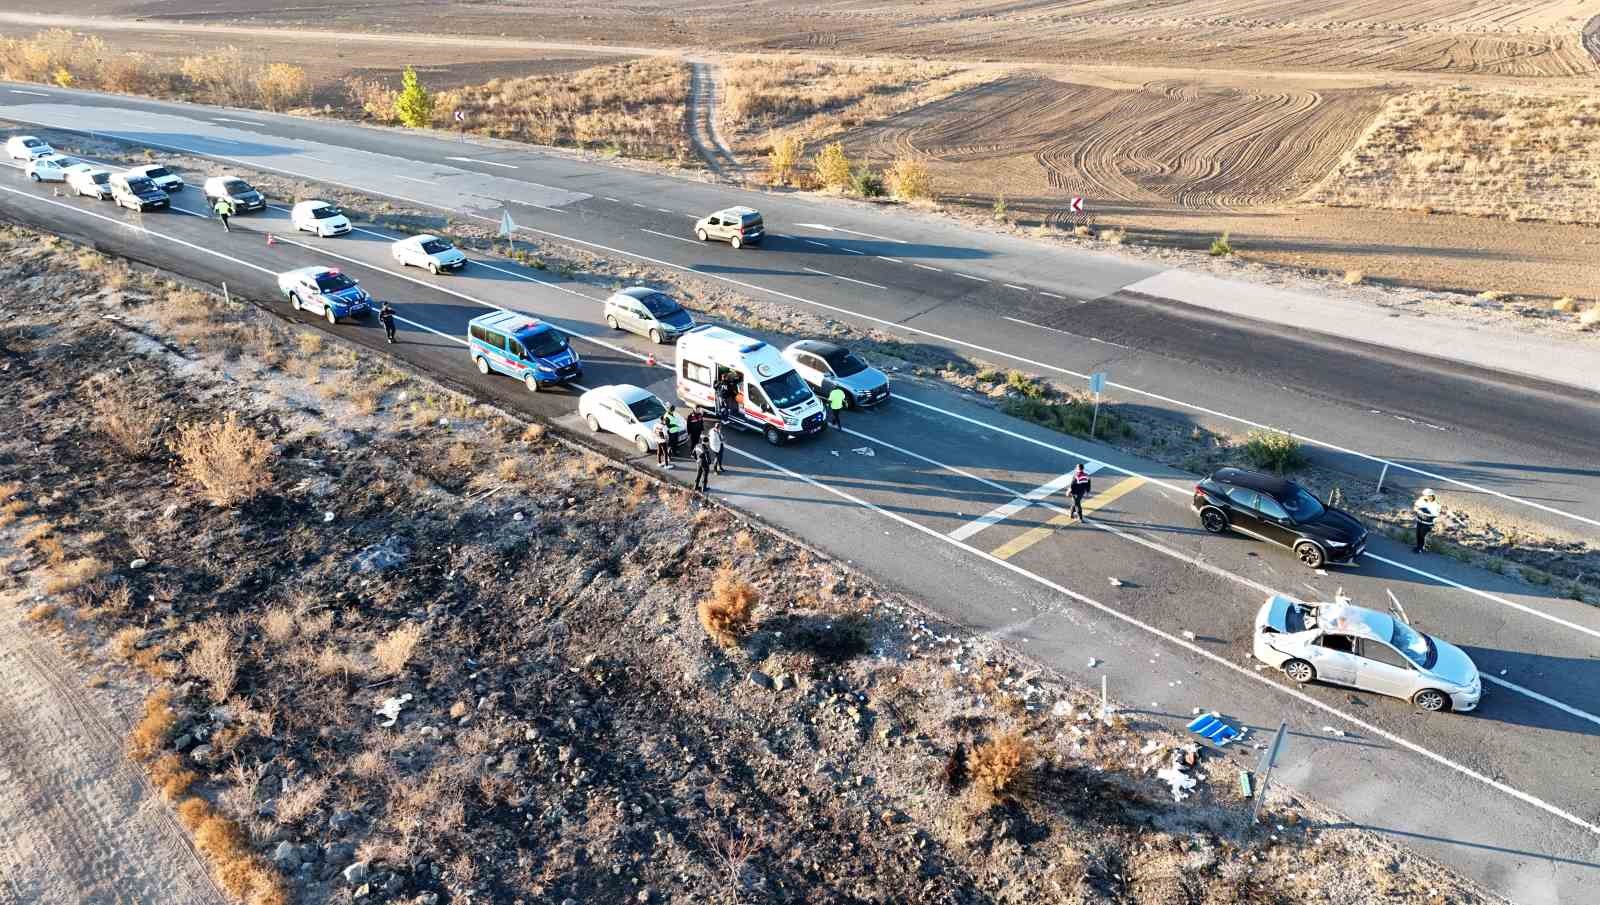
325	291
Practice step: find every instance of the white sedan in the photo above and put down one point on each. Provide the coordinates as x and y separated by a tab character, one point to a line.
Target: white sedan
628	411
50	168
86	179
321	218
27	147
431	252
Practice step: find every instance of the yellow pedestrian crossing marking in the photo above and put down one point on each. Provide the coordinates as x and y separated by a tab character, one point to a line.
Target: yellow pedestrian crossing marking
1033	535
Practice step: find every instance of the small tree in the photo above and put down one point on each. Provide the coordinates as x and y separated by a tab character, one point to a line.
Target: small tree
833	167
909	179
1000	209
63	77
283	85
786	151
1221	247
413	105
867	183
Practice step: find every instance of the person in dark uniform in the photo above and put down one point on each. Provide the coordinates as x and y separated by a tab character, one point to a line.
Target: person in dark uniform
696	423
703	459
386	316
1079	488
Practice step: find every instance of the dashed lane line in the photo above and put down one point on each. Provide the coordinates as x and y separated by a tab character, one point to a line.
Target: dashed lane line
926	267
890	260
1016	287
663	235
846	279
968	276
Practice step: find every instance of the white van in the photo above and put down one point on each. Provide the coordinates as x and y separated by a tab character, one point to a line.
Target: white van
747	383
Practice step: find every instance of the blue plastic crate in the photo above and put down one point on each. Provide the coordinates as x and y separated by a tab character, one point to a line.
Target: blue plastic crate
1211	728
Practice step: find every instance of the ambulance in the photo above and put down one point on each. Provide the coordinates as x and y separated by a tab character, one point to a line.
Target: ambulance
746	383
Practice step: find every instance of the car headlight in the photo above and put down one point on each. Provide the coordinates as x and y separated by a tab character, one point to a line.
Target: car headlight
1337	543
543	367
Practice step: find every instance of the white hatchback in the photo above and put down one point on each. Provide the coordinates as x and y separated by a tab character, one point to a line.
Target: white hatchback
50	168
27	147
85	179
322	218
427	251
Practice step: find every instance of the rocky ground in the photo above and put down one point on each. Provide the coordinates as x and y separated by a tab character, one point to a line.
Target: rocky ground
406	648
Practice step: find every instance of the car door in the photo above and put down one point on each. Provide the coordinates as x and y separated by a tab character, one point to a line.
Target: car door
1276	525
1241	505
714	227
314	296
1385	670
516	356
1334	657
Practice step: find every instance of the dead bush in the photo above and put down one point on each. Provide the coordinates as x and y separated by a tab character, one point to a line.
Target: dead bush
42	613
170	776
278	624
301	801
726	614
192	812
125	643
1354	277
394	651
909	180
228	460
1001	767
784	151
212	660
71	576
150	734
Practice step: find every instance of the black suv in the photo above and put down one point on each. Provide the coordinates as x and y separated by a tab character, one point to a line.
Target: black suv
1280	511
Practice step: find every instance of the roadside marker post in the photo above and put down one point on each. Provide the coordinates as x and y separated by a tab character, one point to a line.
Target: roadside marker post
226	298
1385	474
1097	385
1105	704
1269	759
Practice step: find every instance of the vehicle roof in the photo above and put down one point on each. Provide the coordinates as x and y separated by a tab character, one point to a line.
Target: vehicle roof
1349	619
817	347
86	167
313	202
419	238
509	322
20	138
312	270
56	156
627	393
640	292
146	167
1254	480
739	209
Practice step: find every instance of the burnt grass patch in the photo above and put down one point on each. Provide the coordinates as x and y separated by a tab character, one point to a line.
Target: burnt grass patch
444	658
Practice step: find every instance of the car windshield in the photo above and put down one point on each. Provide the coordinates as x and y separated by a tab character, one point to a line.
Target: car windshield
543	343
435	246
237	187
661	305
100	178
647	409
786	390
324	212
333	282
845	363
1302	506
32	143
139	185
1417	647
157	172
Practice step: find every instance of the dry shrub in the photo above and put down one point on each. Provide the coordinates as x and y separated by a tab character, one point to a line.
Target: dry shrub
150	734
331	661
211	658
301	801
1354	277
193	812
282	86
171	776
784	151
228	460
909	180
315	626
125	643
1565	305
533	433
42	613
744	542
1001	767
394	651
726	614
73	575
832	166
278	624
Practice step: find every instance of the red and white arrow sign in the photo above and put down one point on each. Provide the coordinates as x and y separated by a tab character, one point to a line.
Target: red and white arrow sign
1077	204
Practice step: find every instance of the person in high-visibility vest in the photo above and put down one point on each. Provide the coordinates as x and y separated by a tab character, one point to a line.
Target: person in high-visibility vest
224	209
836	403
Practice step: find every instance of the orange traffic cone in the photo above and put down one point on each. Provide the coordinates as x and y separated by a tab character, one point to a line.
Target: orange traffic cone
650	359
271	240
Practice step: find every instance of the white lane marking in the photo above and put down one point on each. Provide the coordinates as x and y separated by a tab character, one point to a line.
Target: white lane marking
968	276
846	279
34	93
1016	287
816	243
312	157
889	259
1007	510
1052	295
487	163
1542	699
854	232
663	235
926	267
1485	595
248	122
637	204
1196	649
665	211
611	199
878	320
414	179
851	251
1437	758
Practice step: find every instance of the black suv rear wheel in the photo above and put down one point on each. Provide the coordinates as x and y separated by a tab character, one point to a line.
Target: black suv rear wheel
1212	519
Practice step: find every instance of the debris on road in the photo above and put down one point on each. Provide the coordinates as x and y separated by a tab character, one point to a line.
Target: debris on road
390	709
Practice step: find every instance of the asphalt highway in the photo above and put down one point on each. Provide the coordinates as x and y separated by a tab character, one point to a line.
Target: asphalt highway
940	497
1524	444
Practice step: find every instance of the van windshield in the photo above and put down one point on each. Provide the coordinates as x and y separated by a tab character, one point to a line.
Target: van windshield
237	187
139	185
786	390
157	172
543	343
435	246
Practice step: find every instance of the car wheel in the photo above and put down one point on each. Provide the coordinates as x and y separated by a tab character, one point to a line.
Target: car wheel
328	313
773	436
736	242
483	364
612	322
294	300
35	177
1213	520
1300	671
1310	554
532	382
433	269
641	444
701	235
594	423
1431	700
655	337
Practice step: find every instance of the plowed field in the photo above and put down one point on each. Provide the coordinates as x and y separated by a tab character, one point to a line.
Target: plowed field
1166	143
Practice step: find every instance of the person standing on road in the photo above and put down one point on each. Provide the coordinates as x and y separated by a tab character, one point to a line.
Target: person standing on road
224	210
1079	488
702	474
696	423
1427	510
714	440
664	442
836	404
386	317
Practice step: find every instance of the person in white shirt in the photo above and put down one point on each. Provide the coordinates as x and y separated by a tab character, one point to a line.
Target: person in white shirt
714	438
1427	510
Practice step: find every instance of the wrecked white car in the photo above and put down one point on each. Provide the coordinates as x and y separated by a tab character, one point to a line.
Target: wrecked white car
1344	644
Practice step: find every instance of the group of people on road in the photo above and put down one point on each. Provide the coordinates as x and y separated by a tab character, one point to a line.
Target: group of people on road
705	443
